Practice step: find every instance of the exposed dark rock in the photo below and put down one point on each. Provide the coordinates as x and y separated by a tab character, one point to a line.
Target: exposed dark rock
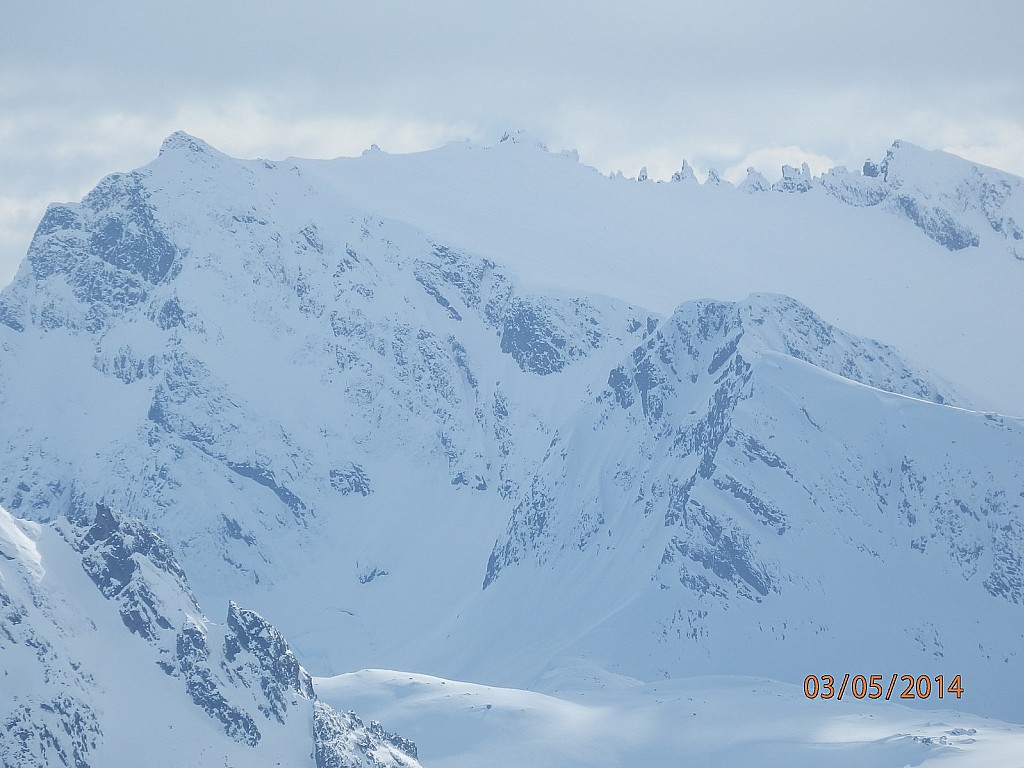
257	654
193	664
49	732
341	740
112	549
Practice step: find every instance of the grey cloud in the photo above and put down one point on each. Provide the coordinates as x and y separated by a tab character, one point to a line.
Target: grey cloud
397	48
91	87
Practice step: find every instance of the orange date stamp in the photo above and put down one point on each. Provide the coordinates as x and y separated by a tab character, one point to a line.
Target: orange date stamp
873	687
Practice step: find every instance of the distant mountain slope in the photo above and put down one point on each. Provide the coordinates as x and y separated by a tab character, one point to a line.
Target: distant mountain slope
868	253
955	203
755	490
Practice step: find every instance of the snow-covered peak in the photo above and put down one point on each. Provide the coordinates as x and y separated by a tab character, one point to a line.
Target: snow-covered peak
957	203
181	143
907	162
777	323
714	180
754	182
685	174
794	179
522	137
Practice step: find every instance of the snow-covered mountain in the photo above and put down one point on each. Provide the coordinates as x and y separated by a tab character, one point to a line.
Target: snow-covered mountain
302	369
752	478
108	660
953	202
413	409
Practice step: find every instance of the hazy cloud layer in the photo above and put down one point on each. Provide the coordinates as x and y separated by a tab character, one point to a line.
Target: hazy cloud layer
92	87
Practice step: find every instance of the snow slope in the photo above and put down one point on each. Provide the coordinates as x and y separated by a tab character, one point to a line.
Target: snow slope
707	721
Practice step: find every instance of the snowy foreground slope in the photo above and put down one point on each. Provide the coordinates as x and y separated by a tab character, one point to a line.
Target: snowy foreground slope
708	721
390	404
754	479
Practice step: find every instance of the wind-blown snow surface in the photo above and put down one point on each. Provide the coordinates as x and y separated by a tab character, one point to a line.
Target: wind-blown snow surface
325	389
707	721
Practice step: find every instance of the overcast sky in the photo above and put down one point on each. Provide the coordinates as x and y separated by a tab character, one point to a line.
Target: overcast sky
89	87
